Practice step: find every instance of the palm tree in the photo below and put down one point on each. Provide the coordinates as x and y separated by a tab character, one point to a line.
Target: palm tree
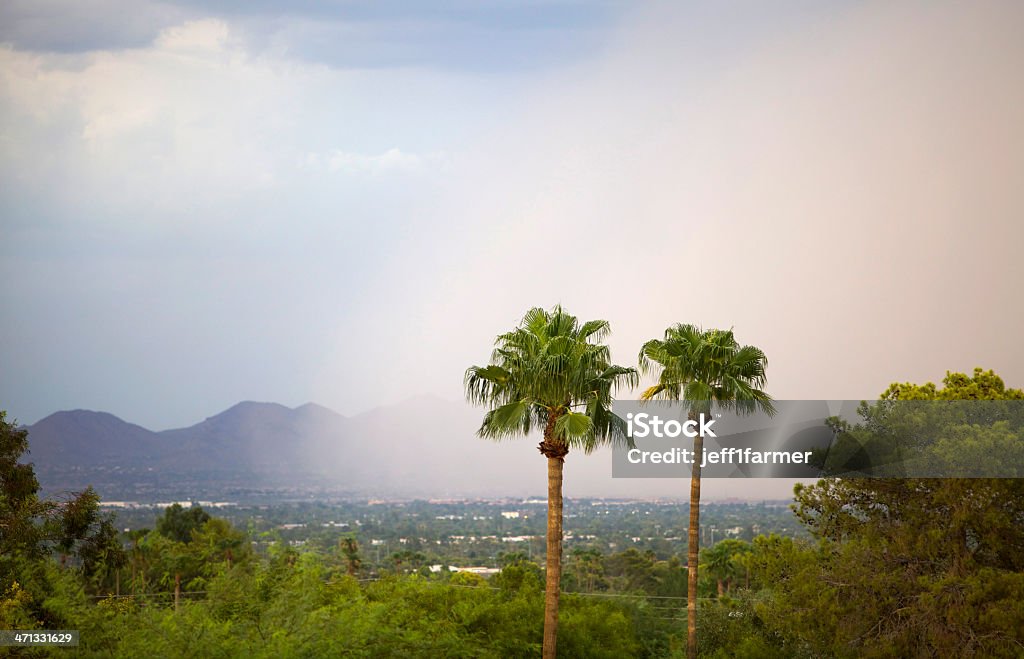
350	548
551	372
703	368
725	561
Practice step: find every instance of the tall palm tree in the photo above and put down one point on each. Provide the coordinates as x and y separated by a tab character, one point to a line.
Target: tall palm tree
703	368
551	373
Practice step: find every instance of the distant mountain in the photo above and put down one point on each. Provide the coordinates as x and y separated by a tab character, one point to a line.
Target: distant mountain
262	438
86	438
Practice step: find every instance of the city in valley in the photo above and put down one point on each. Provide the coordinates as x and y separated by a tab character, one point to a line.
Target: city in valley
476	532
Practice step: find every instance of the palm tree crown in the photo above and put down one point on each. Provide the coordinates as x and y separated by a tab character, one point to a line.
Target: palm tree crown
551	372
705	367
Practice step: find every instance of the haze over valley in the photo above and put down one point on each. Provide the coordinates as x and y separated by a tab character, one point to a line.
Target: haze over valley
422	447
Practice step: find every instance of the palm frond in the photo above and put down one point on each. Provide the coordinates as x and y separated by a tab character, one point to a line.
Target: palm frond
507	420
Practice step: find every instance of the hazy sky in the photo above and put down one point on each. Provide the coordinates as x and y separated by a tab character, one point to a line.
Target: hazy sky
203	203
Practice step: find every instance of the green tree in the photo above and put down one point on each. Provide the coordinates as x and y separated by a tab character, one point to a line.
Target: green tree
725	562
551	372
632	571
587	570
920	566
20	506
407	560
32	529
178	522
511	557
217	543
136	555
350	550
703	368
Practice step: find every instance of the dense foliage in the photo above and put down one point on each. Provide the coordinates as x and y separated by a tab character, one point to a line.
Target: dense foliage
35	530
912	566
292	605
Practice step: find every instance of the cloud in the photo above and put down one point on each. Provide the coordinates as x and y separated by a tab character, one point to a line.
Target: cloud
196	37
85	25
195	124
454	35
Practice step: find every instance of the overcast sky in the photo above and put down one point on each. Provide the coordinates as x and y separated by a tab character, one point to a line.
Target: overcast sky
208	202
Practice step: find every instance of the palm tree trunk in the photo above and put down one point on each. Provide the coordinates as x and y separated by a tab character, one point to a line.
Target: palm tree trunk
693	549
553	576
555	452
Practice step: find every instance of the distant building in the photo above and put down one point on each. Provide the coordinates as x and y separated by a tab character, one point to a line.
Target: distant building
518	538
482	571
